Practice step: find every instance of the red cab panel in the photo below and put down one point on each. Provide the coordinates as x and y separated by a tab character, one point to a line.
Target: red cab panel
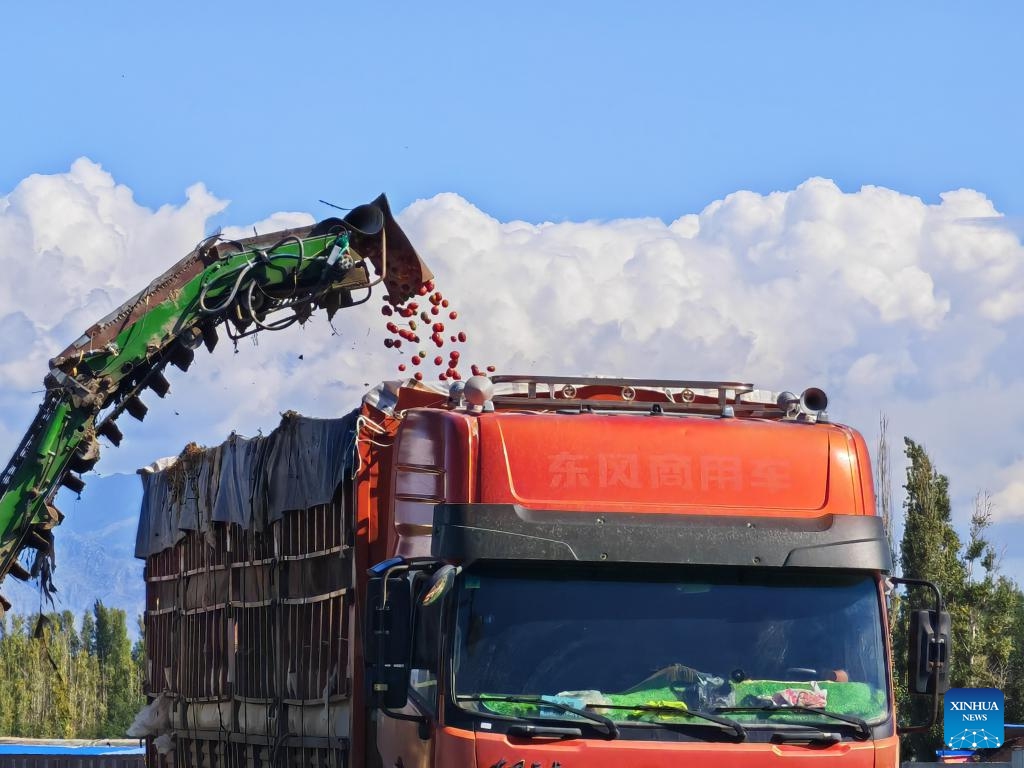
667	464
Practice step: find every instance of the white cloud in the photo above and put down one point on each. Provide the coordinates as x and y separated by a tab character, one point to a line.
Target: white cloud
273	223
874	374
75	245
1008	503
887	302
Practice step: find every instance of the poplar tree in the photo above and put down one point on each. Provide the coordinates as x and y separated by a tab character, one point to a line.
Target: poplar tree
51	681
986	607
930	550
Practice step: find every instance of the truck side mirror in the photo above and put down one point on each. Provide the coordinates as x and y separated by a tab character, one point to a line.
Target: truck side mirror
433	597
928	654
387	639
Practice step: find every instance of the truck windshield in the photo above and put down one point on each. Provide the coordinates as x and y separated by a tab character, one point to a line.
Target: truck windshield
746	643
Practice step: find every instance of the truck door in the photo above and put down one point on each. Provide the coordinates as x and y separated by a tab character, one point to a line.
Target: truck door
400	742
409	742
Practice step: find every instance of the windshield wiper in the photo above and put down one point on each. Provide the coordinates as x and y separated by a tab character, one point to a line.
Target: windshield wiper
863	729
610	728
738	730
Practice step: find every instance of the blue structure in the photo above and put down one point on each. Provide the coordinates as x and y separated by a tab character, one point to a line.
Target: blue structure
48	749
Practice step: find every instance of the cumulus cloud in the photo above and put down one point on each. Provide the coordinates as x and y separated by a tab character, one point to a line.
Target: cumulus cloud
1009	501
812	283
73	246
273	223
888	302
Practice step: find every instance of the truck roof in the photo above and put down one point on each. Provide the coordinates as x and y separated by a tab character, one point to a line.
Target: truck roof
707	448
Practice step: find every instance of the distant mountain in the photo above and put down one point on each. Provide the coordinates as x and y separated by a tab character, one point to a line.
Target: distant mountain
95	551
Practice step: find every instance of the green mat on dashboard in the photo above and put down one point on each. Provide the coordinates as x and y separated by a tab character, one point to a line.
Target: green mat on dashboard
843	698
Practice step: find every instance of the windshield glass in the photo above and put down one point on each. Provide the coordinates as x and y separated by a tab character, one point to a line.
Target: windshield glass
694	639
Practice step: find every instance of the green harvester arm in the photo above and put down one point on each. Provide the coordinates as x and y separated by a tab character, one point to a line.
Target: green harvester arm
265	282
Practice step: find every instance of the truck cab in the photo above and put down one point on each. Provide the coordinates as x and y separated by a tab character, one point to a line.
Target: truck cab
617	572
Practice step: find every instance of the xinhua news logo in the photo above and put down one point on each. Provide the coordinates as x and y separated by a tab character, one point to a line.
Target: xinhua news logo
973	719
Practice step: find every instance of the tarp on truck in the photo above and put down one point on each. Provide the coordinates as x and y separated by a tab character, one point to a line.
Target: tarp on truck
250	482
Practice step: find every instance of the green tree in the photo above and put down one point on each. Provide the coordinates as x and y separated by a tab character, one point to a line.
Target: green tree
986	641
1014	686
88	633
986	608
117	669
929	549
14	654
51	681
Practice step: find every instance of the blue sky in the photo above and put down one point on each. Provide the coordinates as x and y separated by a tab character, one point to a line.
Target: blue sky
562	112
540	111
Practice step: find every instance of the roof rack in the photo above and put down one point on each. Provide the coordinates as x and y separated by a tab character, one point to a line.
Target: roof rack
588	393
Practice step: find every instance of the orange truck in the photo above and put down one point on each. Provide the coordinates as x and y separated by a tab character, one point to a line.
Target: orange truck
524	572
528	571
569	572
